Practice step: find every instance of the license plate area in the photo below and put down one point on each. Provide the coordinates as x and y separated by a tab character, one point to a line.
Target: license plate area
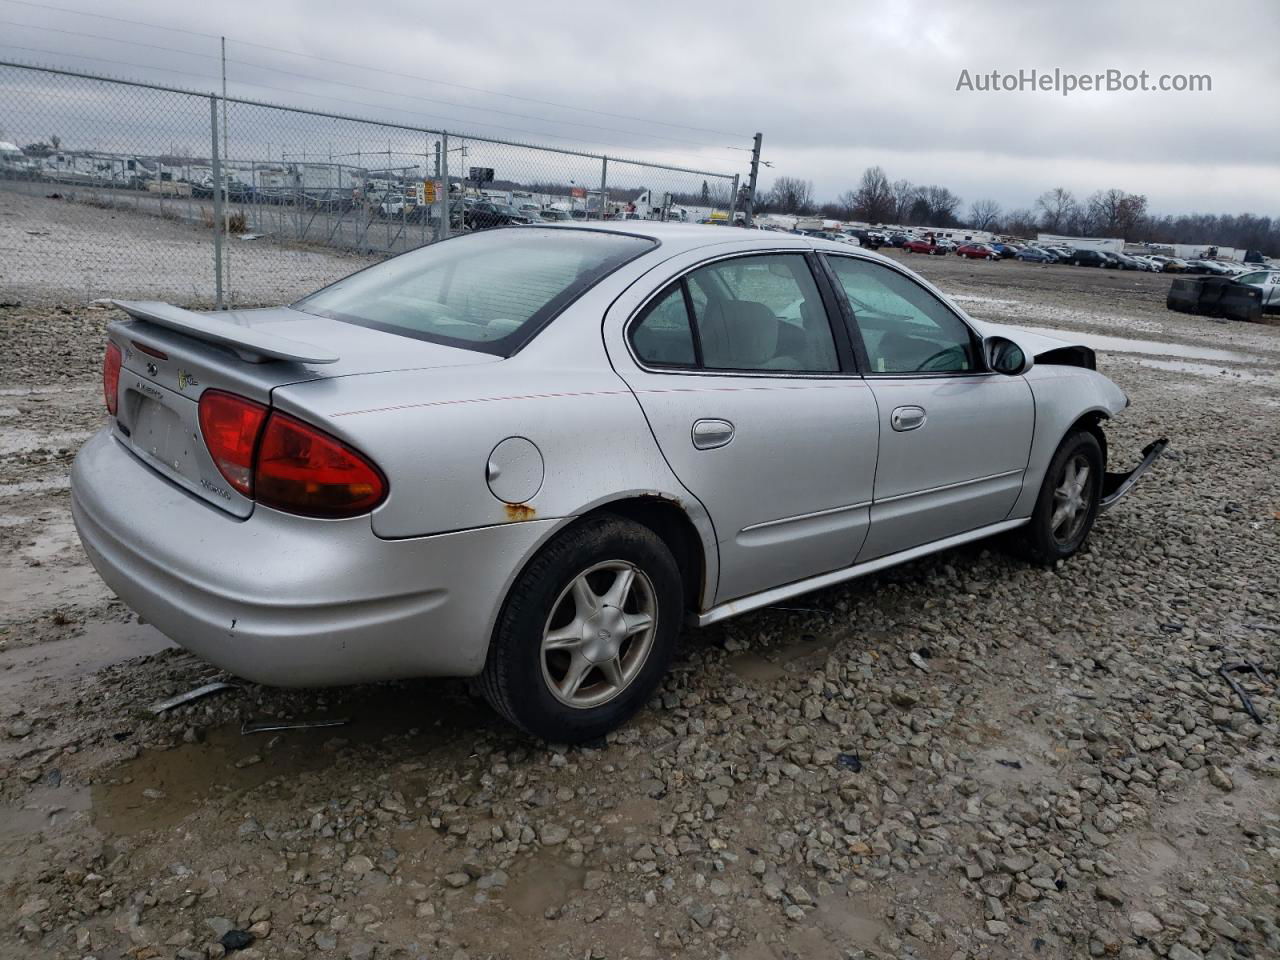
163	429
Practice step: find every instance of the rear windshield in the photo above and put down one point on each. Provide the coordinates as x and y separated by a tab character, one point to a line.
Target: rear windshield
488	291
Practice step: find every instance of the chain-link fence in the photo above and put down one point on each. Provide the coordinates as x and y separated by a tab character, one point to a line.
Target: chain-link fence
124	189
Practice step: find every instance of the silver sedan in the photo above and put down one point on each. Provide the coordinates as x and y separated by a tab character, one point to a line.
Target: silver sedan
528	455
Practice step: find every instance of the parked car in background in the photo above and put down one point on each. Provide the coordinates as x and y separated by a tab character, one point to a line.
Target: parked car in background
1088	258
899	240
976	251
394	205
388	478
1211	267
1127	262
1170	264
1268	281
1037	255
1153	264
922	245
484	214
1007	251
554	215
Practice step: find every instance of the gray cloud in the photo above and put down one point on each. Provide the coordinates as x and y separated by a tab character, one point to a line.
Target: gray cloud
833	86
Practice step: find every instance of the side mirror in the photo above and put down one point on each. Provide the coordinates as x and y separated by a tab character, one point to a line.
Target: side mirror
1005	356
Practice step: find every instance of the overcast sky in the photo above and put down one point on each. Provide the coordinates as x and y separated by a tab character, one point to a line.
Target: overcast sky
834	86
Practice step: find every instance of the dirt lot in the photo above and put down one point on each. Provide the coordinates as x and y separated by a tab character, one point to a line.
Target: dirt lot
58	250
1069	777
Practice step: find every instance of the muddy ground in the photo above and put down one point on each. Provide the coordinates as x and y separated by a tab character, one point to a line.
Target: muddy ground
1062	774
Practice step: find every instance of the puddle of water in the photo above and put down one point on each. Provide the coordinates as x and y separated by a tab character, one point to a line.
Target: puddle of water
410	722
543	882
43	808
771	665
99	645
1161	349
1208	370
853	921
165	786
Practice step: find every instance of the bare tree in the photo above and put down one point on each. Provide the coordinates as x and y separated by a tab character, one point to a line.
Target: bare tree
1116	212
846	202
939	206
873	200
791	195
1020	223
904	195
1057	208
983	214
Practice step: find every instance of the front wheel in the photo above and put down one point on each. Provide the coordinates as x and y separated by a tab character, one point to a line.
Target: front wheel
586	633
1068	501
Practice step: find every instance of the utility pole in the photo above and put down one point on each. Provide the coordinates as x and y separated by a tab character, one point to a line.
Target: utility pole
226	206
749	207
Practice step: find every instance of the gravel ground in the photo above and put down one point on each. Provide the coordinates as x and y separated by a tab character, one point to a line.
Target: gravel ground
1060	772
60	251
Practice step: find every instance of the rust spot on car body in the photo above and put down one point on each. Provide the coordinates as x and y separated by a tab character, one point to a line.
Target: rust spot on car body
518	512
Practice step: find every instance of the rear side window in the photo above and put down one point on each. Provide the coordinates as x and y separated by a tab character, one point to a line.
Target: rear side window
759	313
487	291
663	336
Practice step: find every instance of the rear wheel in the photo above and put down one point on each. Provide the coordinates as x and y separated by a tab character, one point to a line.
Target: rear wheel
586	633
1068	501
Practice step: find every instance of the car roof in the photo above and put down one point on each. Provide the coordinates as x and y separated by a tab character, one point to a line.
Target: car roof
678	238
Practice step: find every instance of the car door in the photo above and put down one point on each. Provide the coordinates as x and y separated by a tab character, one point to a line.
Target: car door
754	399
954	437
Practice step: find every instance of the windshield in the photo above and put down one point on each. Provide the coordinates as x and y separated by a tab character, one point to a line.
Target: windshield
488	291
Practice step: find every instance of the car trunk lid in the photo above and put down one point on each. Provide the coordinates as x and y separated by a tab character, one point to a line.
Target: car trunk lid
170	356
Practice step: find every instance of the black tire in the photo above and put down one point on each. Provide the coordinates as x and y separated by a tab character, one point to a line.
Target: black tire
514	680
1038	540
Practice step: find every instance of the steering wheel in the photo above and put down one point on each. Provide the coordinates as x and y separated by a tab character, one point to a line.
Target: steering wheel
940	355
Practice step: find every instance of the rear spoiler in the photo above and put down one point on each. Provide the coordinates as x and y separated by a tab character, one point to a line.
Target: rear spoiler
249	343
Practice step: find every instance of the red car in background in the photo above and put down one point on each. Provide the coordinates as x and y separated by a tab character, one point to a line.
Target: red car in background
923	246
977	251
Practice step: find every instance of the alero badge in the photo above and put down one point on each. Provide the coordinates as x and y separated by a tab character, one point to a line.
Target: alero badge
185	379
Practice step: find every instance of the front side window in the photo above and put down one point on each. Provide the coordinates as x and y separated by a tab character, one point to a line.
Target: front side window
762	313
485	291
904	327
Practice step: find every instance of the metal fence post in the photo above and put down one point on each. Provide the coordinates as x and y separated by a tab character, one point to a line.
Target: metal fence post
217	205
733	200
444	186
604	182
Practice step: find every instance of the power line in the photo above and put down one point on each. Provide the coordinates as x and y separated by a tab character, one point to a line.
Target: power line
395	73
354	86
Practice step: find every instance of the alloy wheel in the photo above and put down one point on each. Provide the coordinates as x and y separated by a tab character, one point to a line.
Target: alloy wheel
599	634
1072	499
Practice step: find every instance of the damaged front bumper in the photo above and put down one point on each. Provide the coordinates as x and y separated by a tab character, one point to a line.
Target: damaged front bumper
1116	485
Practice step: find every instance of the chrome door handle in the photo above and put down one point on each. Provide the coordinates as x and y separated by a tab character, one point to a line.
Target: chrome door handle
709	434
907	418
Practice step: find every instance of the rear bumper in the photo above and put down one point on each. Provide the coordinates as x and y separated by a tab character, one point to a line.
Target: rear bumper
1116	485
292	601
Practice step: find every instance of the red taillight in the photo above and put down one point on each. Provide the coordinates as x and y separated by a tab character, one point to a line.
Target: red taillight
304	470
231	426
285	463
111	377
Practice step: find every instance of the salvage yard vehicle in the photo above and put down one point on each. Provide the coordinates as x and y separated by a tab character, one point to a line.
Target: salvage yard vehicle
1268	281
1036	255
976	251
529	455
1088	258
924	245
